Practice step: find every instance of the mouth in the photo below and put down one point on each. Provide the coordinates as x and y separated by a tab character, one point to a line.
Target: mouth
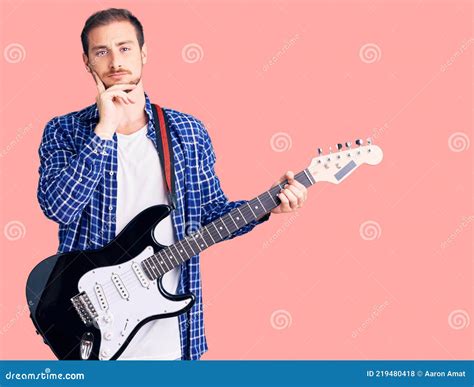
117	75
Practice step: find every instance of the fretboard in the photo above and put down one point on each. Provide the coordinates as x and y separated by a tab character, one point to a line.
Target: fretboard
217	230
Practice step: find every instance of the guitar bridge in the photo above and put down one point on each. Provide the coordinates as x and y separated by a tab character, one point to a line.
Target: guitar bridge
84	308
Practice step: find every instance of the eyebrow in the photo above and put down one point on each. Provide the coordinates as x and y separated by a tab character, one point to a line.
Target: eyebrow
118	44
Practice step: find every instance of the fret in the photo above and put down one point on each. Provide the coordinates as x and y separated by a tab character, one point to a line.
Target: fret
145	263
271	197
177	254
309	177
192	238
161	261
153	266
247	213
180	251
201	231
145	269
186	239
237	218
251	209
225	225
259	209
217	229
200	245
220	227
264	209
183	247
230	215
210	234
229	223
170	256
243	217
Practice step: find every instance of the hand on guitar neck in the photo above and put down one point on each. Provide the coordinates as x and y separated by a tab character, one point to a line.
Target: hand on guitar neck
292	196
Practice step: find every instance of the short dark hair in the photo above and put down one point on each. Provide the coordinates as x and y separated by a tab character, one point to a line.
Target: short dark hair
107	16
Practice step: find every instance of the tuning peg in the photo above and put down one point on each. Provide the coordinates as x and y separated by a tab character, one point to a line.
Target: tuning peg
359	142
339	147
320	151
369	141
348	144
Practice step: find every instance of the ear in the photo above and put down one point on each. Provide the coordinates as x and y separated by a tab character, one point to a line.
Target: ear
144	53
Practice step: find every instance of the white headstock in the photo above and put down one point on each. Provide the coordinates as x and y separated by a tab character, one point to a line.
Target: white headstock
334	167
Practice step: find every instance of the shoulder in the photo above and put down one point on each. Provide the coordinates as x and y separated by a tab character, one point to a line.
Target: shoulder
188	127
70	120
70	123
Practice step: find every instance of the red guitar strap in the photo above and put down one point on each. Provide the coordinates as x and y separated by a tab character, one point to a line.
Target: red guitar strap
165	150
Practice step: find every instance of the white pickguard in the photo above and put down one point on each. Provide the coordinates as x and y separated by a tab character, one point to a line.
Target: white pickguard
122	303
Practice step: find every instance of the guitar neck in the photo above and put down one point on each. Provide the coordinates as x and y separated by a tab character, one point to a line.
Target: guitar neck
218	230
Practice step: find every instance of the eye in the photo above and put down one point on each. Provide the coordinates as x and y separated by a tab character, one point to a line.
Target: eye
99	53
126	48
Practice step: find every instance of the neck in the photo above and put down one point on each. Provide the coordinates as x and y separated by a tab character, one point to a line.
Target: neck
217	230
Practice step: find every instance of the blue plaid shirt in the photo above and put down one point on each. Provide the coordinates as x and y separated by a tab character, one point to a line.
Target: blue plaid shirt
78	189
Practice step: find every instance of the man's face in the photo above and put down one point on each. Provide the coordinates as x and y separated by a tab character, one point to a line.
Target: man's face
114	49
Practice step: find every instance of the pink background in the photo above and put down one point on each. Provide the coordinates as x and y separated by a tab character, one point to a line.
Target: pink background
379	267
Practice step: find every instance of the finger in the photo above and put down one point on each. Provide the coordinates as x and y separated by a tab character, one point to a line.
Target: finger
117	96
123	86
290	176
285	203
120	94
98	81
293	200
297	184
301	188
297	192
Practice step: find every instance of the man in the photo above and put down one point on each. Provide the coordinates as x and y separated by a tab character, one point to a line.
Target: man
99	167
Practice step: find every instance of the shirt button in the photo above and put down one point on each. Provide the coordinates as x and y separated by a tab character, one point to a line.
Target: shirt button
80	179
111	208
111	173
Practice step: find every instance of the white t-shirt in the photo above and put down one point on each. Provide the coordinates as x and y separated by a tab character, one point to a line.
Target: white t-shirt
140	184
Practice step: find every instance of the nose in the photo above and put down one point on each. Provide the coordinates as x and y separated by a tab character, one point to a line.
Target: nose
115	61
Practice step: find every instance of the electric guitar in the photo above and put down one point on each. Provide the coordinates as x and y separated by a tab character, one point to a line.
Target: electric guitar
90	304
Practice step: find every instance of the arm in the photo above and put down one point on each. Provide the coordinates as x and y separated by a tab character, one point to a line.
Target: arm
214	202
68	178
